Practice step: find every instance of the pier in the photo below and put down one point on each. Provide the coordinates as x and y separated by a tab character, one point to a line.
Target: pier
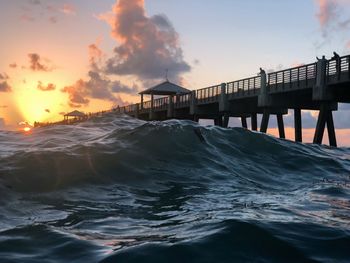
317	86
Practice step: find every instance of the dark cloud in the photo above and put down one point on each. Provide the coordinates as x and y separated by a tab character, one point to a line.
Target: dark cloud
36	64
3	106
148	45
118	87
47	110
77	94
5	87
48	87
95	57
96	87
4	76
13	65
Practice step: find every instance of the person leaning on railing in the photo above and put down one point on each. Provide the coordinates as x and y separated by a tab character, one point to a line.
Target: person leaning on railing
336	57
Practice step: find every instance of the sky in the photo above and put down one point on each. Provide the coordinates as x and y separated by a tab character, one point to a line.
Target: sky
91	55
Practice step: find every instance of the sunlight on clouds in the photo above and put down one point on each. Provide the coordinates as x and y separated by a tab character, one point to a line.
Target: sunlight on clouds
38	105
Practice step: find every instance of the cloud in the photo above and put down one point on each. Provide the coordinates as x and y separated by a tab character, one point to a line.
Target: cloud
118	87
77	94
98	86
327	13
3	106
27	18
4	76
35	63
5	87
148	45
95	56
53	20
69	9
38	10
331	18
47	110
13	65
35	2
48	87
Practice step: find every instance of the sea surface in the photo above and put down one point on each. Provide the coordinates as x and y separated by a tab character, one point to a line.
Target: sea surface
116	189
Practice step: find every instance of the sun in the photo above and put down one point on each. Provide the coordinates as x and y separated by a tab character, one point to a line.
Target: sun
27	129
38	106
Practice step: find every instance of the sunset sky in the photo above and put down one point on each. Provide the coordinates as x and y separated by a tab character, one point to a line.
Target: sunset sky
61	55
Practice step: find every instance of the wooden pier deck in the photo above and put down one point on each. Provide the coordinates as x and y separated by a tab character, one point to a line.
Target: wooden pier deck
317	86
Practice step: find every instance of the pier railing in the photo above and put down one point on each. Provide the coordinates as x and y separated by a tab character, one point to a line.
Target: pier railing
208	95
243	87
292	78
161	103
146	105
182	100
337	70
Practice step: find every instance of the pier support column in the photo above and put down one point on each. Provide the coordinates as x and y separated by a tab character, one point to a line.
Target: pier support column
170	110
244	122
141	101
137	110
223	102
193	103
281	126
331	131
265	121
218	121
226	120
151	112
320	126
254	120
325	116
298	125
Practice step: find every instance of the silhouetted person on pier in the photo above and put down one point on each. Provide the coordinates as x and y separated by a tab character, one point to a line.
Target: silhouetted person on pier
262	72
323	58
336	57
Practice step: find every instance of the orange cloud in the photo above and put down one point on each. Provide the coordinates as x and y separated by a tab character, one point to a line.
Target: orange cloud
5	87
98	86
69	9
48	87
327	11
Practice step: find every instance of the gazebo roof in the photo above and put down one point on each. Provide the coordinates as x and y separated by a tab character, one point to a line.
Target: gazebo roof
75	114
165	88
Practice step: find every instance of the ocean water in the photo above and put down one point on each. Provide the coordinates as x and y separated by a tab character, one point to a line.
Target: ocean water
116	189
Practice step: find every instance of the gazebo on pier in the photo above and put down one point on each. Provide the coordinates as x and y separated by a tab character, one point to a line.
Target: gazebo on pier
164	89
74	116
